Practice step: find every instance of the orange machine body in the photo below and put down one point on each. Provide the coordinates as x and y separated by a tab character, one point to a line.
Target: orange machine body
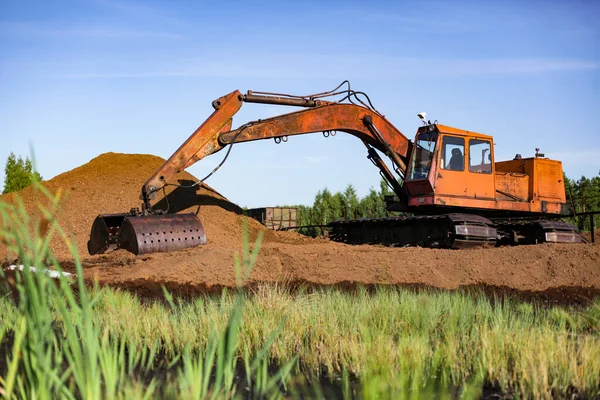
451	167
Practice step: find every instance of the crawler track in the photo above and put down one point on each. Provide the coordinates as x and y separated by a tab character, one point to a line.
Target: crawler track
438	231
451	231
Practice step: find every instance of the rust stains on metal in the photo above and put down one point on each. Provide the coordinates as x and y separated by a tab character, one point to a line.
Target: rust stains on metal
164	233
145	234
329	117
104	236
200	143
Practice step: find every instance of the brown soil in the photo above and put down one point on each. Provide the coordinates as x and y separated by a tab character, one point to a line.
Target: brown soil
111	183
588	236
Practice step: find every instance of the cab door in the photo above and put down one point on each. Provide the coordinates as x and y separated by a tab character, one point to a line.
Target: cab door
451	174
480	166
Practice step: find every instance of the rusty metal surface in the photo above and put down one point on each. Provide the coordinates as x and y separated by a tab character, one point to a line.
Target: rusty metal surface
279	100
324	116
368	121
329	117
145	234
105	233
386	174
489	206
164	233
548	178
275	218
200	144
545	178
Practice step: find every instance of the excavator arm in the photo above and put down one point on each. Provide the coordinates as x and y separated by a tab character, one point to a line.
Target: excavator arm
200	144
319	116
149	230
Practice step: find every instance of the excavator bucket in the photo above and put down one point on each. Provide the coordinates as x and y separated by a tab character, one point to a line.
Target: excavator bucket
143	234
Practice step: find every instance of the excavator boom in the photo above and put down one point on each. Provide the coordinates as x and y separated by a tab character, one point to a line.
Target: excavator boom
214	134
149	231
201	143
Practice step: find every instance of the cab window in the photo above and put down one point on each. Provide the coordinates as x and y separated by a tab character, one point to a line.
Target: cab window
480	156
453	153
423	154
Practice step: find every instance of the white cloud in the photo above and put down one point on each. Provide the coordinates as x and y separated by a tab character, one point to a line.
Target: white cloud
106	32
294	66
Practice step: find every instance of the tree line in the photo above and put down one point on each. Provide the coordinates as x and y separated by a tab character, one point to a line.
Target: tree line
583	195
329	206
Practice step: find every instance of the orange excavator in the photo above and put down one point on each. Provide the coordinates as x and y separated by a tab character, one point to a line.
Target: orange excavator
447	180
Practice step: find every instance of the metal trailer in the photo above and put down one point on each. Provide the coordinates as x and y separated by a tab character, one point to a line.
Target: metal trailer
275	218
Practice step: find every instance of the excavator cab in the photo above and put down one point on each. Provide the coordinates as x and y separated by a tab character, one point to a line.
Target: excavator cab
450	163
452	168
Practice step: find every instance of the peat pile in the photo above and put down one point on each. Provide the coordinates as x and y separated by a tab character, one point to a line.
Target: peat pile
561	272
111	183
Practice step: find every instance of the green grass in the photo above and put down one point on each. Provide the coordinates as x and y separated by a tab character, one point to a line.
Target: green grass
269	341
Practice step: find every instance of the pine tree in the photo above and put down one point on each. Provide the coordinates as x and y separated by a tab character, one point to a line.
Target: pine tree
326	209
587	198
384	188
338	206
351	202
583	195
366	207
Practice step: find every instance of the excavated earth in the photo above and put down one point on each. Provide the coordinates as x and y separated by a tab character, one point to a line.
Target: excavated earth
111	183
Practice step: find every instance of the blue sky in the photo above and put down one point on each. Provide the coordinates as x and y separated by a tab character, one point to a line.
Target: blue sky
80	78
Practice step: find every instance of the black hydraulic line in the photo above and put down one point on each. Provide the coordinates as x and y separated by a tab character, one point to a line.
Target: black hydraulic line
368	120
373	156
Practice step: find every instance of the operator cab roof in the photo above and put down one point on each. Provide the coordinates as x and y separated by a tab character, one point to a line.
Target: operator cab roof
454	131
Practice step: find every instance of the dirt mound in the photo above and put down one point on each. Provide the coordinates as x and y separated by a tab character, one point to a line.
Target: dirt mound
111	183
525	268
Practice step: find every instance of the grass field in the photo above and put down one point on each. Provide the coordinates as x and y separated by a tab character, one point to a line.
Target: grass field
65	339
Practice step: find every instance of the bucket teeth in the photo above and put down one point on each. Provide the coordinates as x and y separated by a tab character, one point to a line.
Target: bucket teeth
104	236
145	234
